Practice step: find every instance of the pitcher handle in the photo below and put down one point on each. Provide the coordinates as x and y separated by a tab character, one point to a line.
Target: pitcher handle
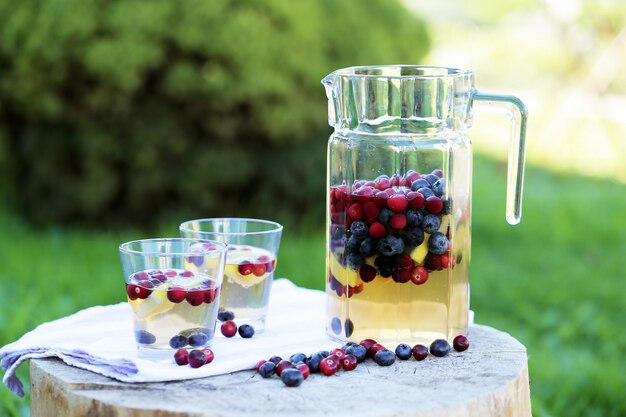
517	112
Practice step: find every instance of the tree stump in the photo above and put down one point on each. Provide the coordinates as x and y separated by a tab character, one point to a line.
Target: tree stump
489	379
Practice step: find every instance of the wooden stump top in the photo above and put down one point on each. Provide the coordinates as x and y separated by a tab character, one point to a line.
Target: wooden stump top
489	379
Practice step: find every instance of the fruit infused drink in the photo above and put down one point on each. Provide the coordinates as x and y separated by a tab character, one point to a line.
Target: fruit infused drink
173	308
250	263
393	272
248	276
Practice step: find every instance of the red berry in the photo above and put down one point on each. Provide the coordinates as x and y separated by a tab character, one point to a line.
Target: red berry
371	211
229	328
419	275
176	294
258	365
367	273
395	181
130	291
433	262
375	348
380	198
420	352
304	370
438	173
196	358
460	343
348	362
340	353
210	295
377	230
416	199
208	354
358	288
195	297
364	194
282	365
398	221
401	275
187	274
181	357
141	276
259	269
412	176
269	267
383	183
355	211
397	202
367	344
434	204
329	365
246	268
142	292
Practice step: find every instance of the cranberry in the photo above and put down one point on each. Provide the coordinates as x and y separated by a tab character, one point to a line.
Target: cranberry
195	297
275	360
259	270
196	358
143	292
176	294
433	262
416	199
258	365
210	295
397	202
229	328
348	362
460	343
181	357
445	261
269	267
383	183
398	221
401	275
355	211
380	198
141	276
170	273
130	291
367	273
367	344
438	173
282	365
371	211
329	366
377	230
402	261
412	176
358	288
187	274
419	275
395	181
292	377
420	352
340	353
374	349
246	268
304	370
434	204
208	354
364	194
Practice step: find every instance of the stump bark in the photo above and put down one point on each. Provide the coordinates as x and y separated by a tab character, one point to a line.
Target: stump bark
489	379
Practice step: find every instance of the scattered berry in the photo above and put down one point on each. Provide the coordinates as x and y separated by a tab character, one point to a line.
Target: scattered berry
338	353
229	328
178	341
403	351
385	357
225	315
267	369
198	339
304	370
358	351
374	349
297	357
314	362
420	352
196	358
440	348
208	354
460	343
367	344
181	357
348	362
246	331
282	365
292	377
259	364
275	360
329	365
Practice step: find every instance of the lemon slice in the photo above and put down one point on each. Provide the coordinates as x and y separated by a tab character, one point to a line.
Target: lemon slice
344	274
231	274
419	253
156	303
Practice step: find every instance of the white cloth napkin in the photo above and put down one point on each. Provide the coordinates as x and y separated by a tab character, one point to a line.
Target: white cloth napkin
100	339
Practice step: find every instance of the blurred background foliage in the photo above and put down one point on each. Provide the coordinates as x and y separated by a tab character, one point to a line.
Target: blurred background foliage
120	119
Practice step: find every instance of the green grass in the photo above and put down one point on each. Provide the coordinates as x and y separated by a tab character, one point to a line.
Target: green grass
555	282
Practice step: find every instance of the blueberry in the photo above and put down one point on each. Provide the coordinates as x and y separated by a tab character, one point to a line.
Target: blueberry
359	352
414	218
447	206
297	357
426	192
347	345
440	348
275	360
198	339
178	341
390	245
225	315
324	353
246	331
369	247
355	260
353	244
438	243
439	187
385	357
144	337
404	351
291	377
383	266
384	215
267	369
335	325
431	223
413	236
431	178
359	229
420	183
348	327
314	362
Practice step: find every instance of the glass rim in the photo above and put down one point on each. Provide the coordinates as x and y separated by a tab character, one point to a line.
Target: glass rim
125	247
444	72
277	226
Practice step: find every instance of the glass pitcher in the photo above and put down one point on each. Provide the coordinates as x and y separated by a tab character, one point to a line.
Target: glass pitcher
399	200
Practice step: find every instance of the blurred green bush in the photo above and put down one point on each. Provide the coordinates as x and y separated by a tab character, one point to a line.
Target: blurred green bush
126	111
